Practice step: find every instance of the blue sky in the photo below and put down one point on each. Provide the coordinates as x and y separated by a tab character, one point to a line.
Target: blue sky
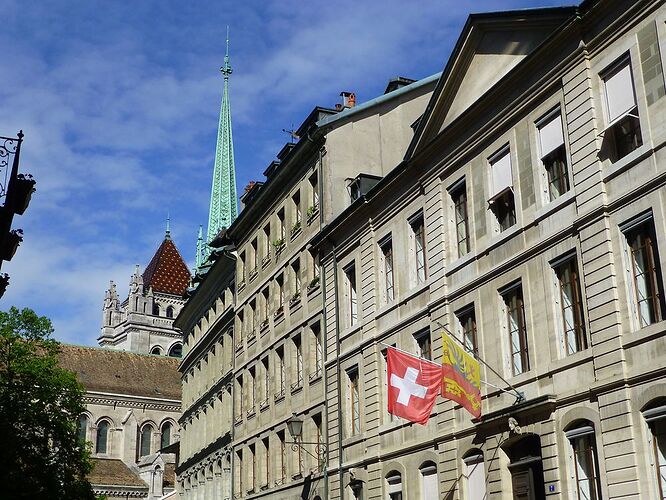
119	104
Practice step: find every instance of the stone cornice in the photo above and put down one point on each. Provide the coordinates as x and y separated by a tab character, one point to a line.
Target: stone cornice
125	403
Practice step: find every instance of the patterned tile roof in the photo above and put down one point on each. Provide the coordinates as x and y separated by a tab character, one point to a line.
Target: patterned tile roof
113	472
167	271
121	372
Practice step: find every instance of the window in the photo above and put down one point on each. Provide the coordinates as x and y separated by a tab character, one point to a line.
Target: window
296	273
267	461
553	154
283	459
267	241
502	202
169	312
252	317
571	305
298	351
584	462
146	436
656	420
267	380
645	271
458	194
624	129
102	437
252	390
156	310
353	402
238	478
176	350
239	397
279	281
298	215
318	348
157	350
386	248
255	256
316	420
253	468
82	429
474	476
467	328
350	293
266	304
429	485
515	317
424	344
165	439
279	352
418	235
241	269
394	485
281	228
314	189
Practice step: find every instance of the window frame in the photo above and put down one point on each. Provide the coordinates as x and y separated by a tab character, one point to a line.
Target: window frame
516	289
564	263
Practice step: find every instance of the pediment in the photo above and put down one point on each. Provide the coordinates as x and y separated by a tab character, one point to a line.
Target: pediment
489	47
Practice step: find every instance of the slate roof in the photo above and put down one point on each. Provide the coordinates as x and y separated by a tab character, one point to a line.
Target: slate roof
167	271
113	472
121	372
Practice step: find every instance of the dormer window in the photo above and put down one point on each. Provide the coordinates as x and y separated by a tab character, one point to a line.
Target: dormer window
360	185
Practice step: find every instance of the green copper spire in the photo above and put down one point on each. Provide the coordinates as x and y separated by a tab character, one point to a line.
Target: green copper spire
223	200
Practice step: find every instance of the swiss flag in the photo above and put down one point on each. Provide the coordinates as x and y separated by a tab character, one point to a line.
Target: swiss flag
413	385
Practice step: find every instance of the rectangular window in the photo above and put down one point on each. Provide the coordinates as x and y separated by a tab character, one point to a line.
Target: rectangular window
585	463
316	420
267	242
239	397
502	202
314	189
658	431
252	392
624	127
467	328
318	349
241	268
266	303
267	380
267	462
298	351
354	402
386	248
283	459
350	294
424	344
459	197
572	307
296	273
515	317
255	255
252	319
279	352
418	233
475	477
281	228
553	154
253	469
298	214
646	272
279	282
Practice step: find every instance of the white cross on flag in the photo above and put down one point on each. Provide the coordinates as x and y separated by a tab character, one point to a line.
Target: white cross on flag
413	385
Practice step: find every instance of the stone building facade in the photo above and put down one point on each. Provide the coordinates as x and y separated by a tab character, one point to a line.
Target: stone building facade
525	214
528	219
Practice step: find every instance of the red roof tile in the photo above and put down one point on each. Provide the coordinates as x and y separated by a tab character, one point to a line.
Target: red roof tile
167	271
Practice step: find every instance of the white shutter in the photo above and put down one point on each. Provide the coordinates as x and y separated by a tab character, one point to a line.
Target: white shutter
476	478
501	170
550	135
620	96
429	485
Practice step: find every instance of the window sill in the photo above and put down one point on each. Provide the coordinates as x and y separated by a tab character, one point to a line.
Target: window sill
615	169
352	440
645	334
503	237
460	263
555	205
575	359
403	298
349	331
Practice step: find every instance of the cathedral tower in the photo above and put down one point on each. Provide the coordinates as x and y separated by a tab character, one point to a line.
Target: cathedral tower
223	198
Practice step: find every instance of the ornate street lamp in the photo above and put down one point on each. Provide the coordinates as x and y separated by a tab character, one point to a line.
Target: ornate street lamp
295	426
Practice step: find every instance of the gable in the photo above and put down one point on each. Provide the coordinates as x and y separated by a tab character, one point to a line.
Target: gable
488	49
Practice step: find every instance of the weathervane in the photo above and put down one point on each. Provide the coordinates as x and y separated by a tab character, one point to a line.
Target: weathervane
292	133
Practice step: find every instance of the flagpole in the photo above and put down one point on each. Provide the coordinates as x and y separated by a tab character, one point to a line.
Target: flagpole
421	358
518	395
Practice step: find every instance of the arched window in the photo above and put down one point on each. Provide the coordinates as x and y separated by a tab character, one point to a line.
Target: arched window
429	486
474	475
82	428
156	350
102	436
156	310
585	466
146	436
655	416
166	435
169	312
394	485
176	350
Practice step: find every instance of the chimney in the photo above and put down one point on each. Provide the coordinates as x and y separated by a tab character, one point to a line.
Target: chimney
348	99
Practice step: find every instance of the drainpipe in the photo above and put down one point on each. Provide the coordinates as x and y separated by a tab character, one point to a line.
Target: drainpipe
320	176
322	277
337	364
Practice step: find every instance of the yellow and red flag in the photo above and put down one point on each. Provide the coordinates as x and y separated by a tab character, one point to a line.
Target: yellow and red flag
461	381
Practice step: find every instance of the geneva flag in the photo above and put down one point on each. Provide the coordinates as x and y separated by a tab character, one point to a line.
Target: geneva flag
461	381
413	385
